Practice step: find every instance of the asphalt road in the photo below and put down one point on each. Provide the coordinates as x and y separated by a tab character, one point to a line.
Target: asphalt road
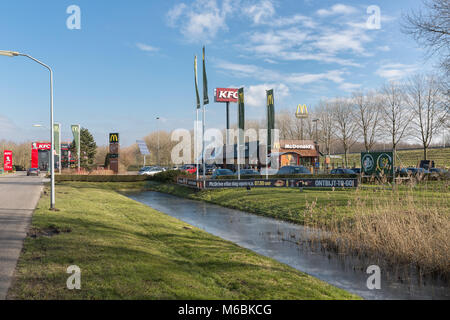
19	195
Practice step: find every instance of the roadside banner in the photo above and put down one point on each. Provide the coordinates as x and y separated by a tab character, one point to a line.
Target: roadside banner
376	163
196	83
270	119
57	138
7	160
205	81
76	134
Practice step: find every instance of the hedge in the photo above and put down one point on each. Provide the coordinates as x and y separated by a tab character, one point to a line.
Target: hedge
102	178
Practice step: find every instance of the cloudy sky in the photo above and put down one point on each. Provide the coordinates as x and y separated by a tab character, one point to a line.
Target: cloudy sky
132	61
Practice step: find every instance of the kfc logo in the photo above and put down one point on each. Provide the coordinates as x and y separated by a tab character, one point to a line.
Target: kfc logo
226	95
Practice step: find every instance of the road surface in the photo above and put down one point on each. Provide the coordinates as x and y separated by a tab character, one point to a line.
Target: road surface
19	195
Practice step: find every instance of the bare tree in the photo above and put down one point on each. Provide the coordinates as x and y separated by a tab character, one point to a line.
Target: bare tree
326	125
367	115
424	97
346	126
396	115
431	29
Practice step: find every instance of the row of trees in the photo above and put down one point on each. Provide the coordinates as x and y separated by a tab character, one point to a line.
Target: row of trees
399	112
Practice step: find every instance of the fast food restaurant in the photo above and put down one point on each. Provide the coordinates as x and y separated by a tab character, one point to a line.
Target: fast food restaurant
297	153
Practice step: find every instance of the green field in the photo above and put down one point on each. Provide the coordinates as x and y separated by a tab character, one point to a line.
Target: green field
408	158
127	250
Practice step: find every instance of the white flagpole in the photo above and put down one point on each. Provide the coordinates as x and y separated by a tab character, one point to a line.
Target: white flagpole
203	141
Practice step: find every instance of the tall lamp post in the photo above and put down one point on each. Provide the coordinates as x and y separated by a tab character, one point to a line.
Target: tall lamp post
157	131
52	151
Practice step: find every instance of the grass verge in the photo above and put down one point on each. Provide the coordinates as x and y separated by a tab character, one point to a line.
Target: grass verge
127	250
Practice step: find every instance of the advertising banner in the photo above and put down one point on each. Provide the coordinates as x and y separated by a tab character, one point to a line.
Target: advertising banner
270	119
76	134
273	183
196	83
57	138
377	163
7	160
226	95
205	81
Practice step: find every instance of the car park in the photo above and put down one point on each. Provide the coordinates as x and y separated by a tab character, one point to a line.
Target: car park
209	169
293	170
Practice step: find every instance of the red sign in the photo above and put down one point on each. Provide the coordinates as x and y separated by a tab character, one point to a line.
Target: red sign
7	160
226	95
41	145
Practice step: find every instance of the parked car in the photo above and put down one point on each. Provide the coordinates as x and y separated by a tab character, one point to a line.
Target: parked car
342	171
356	170
415	171
189	168
209	169
294	170
249	172
150	171
33	172
270	171
438	170
402	172
222	172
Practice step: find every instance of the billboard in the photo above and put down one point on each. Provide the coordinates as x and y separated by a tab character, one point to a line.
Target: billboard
7	160
114	152
226	95
376	163
302	111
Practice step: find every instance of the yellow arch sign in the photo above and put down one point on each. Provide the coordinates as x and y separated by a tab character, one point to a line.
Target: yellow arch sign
302	111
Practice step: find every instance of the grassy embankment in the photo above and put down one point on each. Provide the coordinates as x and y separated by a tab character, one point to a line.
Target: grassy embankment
408	158
408	225
127	250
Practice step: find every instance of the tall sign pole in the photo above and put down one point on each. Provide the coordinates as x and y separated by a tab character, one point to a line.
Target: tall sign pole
241	128
205	102
77	138
114	152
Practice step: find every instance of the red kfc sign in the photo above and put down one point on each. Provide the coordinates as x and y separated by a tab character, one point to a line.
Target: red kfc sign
7	160
41	146
226	95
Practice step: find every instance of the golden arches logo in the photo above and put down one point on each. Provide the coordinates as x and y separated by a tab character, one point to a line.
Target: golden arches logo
114	137
241	97
302	111
270	99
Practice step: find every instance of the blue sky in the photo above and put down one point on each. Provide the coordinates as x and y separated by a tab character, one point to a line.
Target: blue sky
133	60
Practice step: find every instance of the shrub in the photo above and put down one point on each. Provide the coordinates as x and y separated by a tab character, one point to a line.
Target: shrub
101	178
168	176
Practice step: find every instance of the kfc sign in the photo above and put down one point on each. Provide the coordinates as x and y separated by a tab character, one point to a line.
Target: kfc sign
41	145
226	95
7	160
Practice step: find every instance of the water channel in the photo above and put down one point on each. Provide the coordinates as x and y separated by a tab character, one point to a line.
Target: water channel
284	242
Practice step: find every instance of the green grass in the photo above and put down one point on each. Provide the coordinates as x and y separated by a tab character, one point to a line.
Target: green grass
127	250
409	158
315	205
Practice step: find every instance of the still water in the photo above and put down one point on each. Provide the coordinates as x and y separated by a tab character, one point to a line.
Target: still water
286	243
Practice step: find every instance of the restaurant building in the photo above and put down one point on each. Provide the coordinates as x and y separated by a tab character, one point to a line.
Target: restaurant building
297	153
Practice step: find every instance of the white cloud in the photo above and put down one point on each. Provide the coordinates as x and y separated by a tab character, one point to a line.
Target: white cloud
260	11
255	96
200	20
337	9
146	47
395	71
334	41
384	48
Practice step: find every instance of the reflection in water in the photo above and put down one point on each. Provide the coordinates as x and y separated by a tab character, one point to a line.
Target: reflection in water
288	243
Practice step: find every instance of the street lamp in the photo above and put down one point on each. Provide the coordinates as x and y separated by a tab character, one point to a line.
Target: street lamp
157	131
52	157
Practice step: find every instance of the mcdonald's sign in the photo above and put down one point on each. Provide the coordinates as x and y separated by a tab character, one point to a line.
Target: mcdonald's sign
302	111
113	138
